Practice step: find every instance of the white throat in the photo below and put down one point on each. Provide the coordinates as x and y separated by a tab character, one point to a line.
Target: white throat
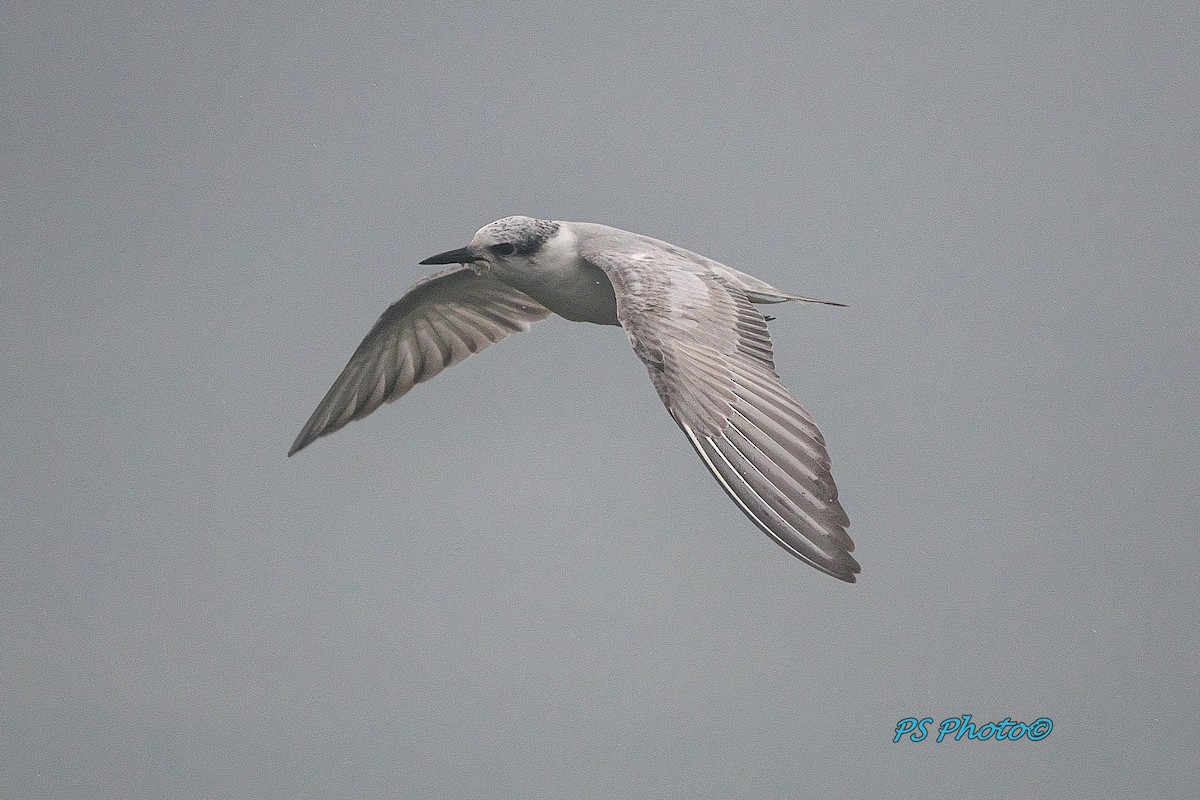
560	280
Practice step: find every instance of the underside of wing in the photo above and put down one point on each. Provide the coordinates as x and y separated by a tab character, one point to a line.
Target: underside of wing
439	322
709	356
771	459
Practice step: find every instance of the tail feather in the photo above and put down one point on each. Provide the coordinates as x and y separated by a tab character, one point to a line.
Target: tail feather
776	296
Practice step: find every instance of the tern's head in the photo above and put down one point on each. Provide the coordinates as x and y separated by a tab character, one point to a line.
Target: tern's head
511	237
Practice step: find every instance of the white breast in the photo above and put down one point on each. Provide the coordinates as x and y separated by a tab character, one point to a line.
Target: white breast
557	278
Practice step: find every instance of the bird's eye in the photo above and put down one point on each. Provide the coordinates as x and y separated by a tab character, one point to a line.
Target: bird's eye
503	249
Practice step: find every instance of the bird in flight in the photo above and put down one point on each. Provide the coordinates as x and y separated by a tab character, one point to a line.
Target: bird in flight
690	319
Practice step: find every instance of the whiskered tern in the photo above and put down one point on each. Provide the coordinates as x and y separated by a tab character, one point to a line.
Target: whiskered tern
690	319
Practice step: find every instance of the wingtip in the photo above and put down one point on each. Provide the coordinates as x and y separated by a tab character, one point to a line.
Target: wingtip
844	568
851	574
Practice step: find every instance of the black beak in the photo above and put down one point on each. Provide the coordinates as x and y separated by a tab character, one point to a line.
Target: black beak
462	255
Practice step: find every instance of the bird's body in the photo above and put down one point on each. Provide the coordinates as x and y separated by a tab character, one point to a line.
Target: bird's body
560	280
689	318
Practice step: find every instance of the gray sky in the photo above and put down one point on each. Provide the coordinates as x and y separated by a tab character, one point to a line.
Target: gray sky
519	581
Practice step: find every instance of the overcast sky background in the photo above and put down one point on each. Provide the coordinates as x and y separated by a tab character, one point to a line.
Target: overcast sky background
519	581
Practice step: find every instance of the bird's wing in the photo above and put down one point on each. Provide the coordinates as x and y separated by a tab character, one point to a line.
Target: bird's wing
441	320
709	356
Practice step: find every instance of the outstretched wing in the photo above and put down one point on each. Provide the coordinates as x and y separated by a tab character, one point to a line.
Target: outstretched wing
441	320
709	356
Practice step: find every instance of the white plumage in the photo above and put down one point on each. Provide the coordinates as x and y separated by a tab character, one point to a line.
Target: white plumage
689	318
